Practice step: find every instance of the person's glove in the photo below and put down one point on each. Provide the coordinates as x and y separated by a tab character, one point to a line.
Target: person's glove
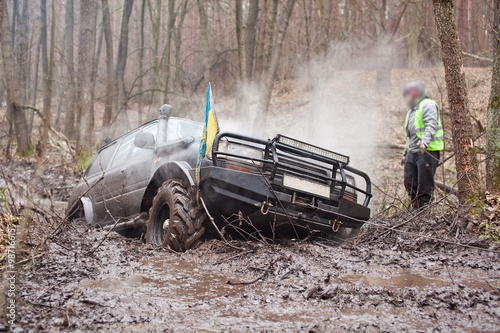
421	148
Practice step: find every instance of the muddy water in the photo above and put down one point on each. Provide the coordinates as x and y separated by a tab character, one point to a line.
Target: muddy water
191	292
422	279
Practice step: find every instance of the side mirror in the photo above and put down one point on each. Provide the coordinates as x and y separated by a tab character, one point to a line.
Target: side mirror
144	140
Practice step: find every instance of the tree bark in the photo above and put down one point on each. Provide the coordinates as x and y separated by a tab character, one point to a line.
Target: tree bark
276	55
465	153
13	86
48	68
85	104
493	130
69	121
108	38
250	37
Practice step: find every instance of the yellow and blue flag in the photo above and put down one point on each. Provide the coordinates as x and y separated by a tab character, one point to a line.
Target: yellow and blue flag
210	130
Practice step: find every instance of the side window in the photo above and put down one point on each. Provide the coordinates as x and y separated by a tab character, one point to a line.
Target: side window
149	128
179	128
100	162
123	150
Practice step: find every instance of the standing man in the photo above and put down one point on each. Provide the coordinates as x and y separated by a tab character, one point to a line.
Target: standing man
424	141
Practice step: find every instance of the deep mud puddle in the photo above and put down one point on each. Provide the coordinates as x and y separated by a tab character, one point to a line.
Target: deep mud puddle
425	279
191	292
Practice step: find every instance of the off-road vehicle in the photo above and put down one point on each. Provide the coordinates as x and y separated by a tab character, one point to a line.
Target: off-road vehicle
145	181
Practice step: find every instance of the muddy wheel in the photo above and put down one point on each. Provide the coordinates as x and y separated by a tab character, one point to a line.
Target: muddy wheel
175	220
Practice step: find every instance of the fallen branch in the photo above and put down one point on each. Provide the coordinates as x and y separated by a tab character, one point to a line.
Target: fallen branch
245	283
217	228
474	56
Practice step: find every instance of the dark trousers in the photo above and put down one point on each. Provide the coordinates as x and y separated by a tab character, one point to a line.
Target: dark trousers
419	176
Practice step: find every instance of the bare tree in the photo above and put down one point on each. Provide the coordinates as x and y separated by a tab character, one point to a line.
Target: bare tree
108	37
268	82
48	66
396	10
204	38
13	86
142	42
493	135
178	44
121	58
250	37
325	13
239	40
465	152
168	44
85	104
69	122
269	41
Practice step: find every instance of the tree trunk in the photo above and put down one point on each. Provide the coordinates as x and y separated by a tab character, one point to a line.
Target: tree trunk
269	41
121	59
170	28
276	55
13	86
385	48
69	121
85	104
48	69
463	23
250	37
155	31
325	12
239	40
22	41
61	87
204	39
465	153
108	37
141	59
178	43
493	134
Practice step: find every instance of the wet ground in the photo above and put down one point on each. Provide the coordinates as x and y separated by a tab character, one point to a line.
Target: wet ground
125	285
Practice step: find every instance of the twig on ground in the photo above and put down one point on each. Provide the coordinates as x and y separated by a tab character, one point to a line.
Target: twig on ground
245	283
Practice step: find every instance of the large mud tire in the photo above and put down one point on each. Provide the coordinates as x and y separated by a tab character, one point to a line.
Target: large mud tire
175	220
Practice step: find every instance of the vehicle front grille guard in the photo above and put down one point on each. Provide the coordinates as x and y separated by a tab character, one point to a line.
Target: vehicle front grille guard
271	162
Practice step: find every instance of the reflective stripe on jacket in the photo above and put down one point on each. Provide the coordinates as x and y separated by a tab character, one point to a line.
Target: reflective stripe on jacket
423	122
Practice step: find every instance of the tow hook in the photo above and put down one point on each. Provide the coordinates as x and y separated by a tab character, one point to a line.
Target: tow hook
264	207
335	225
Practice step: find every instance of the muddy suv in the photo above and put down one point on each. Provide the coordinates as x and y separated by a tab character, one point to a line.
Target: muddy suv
144	181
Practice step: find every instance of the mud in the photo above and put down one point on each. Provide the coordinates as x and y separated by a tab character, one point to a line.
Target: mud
125	285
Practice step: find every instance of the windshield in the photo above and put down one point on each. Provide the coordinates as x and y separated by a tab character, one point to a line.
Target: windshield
181	128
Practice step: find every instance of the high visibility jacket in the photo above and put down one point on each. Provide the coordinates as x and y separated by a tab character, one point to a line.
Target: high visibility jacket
415	127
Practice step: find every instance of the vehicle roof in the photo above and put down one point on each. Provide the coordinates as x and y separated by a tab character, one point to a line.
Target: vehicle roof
112	142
